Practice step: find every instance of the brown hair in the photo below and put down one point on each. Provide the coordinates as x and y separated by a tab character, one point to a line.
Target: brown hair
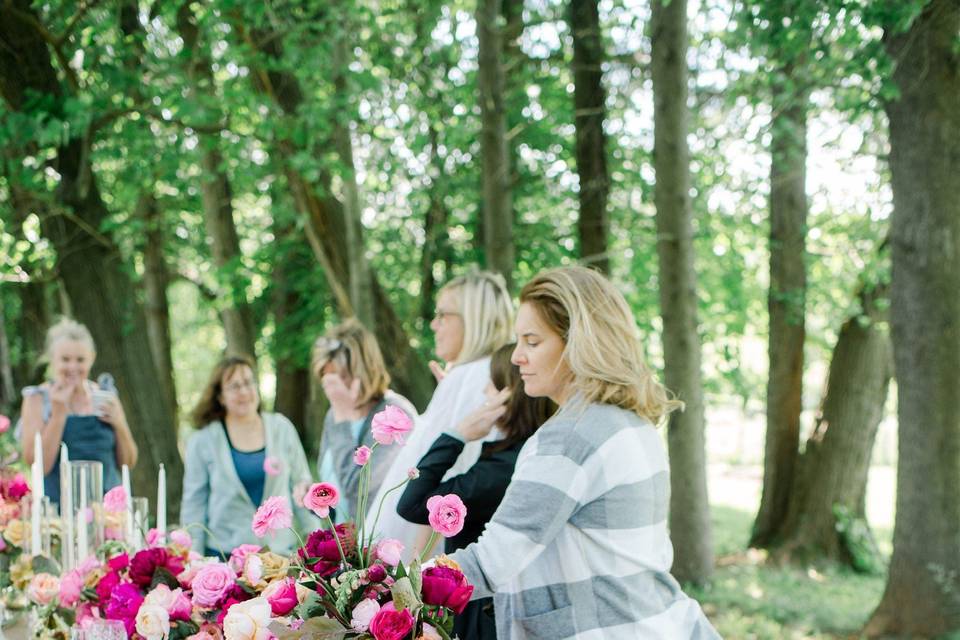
601	345
524	414
355	350
209	408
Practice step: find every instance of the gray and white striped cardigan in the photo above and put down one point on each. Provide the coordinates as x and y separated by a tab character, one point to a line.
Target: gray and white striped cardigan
579	547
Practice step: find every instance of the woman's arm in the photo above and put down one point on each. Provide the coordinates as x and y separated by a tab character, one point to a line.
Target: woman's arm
51	433
126	450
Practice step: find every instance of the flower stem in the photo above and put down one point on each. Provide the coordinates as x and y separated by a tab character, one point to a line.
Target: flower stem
430	543
373	529
336	537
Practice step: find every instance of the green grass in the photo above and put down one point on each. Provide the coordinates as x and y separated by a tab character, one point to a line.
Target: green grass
750	600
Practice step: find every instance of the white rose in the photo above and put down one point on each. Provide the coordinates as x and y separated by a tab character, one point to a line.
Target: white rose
363	613
248	620
161	596
153	622
253	571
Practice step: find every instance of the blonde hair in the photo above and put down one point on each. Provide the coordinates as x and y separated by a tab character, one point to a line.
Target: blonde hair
66	329
487	313
601	344
355	350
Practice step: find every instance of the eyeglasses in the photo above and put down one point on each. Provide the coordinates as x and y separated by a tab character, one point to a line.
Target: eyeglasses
237	387
440	315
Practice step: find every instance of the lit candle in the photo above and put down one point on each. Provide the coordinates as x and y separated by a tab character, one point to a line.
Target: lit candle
125	478
66	499
162	503
36	510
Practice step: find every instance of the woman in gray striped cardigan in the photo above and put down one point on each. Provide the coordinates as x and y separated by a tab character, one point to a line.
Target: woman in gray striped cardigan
579	547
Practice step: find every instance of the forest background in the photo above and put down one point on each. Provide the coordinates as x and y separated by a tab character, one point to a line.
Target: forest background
192	177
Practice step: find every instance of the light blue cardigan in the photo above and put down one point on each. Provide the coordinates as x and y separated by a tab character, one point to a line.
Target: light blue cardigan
214	496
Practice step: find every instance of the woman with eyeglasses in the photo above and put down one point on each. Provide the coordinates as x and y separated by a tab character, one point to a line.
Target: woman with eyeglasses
348	363
474	316
239	457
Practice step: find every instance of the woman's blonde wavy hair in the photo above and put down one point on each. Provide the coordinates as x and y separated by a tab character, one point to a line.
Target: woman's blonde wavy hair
601	345
67	329
355	350
487	313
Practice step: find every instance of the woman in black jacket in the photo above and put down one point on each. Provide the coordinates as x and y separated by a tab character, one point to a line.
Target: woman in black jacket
516	416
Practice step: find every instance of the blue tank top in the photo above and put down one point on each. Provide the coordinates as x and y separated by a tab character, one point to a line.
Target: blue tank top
249	466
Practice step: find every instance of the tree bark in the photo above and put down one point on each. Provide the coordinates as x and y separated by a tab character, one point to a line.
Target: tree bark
689	506
155	282
589	99
100	290
217	197
8	394
786	305
834	467
922	596
497	191
435	244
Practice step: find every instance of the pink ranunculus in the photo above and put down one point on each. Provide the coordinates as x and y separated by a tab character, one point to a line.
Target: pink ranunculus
4	424
71	586
272	466
115	500
320	497
119	562
390	624
391	425
282	596
238	556
390	551
447	587
43	588
446	514
212	584
105	587
413	473
362	455
125	601
154	537
376	573
363	613
17	487
181	538
273	515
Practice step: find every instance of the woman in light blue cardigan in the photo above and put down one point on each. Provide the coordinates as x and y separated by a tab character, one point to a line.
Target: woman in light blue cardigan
238	458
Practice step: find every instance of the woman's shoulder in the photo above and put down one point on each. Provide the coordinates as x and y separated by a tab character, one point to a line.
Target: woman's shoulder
392	398
279	422
580	428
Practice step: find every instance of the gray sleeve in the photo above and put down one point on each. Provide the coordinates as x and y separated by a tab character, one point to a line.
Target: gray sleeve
196	493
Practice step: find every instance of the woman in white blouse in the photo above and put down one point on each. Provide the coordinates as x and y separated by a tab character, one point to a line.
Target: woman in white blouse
473	318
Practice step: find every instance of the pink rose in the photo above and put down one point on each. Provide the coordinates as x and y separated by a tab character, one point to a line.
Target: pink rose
43	588
85	614
212	584
320	497
363	614
4	424
446	587
282	596
174	601
181	538
239	555
389	550
446	514
390	624
208	631
71	585
391	425
362	455
273	515
376	573
115	500
272	466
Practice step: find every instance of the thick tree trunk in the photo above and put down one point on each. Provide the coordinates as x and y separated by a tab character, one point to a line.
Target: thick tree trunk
786	304
689	506
497	190
435	244
922	597
8	393
155	281
833	469
217	197
100	290
324	226
590	109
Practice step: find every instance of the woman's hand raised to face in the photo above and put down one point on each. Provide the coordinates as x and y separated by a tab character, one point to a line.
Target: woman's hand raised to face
478	424
343	399
60	393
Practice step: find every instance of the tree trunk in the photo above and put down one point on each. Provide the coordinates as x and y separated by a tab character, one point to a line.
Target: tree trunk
922	597
324	227
8	394
155	281
786	305
358	268
435	244
689	506
590	109
101	292
217	197
833	469
497	192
